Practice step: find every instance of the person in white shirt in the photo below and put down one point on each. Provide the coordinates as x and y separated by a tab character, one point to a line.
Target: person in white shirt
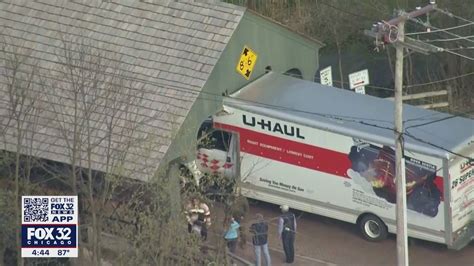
198	215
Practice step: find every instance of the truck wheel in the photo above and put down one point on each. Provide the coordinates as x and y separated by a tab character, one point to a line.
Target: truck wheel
372	228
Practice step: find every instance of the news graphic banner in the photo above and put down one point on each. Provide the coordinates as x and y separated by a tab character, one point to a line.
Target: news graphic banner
49	226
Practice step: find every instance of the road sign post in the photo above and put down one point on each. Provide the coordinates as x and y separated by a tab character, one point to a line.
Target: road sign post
246	63
360	90
359	79
326	76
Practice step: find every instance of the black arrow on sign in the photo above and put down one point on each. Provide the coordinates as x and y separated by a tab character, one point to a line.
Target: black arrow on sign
247	74
245	51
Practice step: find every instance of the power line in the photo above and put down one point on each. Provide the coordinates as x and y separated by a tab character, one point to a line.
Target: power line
366	124
441	49
359	120
406	133
460	48
347	12
460	55
391	89
200	94
440	30
439	81
452	39
450	33
407	86
428	117
352	119
377	32
435	121
452	15
324	115
428	26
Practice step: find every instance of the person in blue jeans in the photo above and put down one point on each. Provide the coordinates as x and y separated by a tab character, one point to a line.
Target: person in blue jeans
260	239
232	234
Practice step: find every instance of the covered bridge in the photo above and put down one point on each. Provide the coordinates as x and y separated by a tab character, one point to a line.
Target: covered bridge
122	86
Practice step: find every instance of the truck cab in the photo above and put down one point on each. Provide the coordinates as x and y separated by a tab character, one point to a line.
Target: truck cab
215	149
214	167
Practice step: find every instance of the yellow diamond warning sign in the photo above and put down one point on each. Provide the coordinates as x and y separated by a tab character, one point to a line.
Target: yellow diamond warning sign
247	61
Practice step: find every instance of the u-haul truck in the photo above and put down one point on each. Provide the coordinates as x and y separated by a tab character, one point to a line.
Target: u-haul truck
329	151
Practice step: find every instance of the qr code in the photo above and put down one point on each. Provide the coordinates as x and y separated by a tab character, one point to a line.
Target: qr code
35	210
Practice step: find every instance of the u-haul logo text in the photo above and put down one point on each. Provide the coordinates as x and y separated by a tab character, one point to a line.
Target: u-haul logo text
272	126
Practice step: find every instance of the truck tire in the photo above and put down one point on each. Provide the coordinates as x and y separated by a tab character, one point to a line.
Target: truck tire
372	228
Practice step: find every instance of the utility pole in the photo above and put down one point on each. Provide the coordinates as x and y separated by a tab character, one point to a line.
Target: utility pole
402	236
393	31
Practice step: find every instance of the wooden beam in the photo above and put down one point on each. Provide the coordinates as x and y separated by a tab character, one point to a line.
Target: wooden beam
422	95
413	14
434	105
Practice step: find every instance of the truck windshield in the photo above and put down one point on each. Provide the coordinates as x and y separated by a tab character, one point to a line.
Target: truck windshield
209	138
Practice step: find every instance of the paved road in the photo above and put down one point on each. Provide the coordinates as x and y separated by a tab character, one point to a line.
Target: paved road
324	241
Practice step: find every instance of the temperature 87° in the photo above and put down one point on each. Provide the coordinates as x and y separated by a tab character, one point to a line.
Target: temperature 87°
63	252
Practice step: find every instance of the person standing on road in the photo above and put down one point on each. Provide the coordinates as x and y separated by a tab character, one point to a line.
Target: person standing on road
232	235
198	215
287	232
260	240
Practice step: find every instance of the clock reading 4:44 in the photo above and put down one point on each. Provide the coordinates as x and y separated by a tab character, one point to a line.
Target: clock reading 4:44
41	252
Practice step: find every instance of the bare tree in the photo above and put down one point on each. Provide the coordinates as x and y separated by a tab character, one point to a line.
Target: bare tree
20	112
95	110
95	116
101	115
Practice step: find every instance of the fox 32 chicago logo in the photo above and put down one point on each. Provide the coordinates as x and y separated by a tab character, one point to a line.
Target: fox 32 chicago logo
49	236
49	226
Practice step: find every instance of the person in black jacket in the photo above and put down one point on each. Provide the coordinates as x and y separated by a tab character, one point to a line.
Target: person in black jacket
260	239
287	231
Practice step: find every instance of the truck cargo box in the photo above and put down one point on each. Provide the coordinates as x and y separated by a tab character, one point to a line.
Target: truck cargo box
329	151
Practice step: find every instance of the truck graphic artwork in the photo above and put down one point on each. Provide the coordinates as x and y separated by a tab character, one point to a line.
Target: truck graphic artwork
377	167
